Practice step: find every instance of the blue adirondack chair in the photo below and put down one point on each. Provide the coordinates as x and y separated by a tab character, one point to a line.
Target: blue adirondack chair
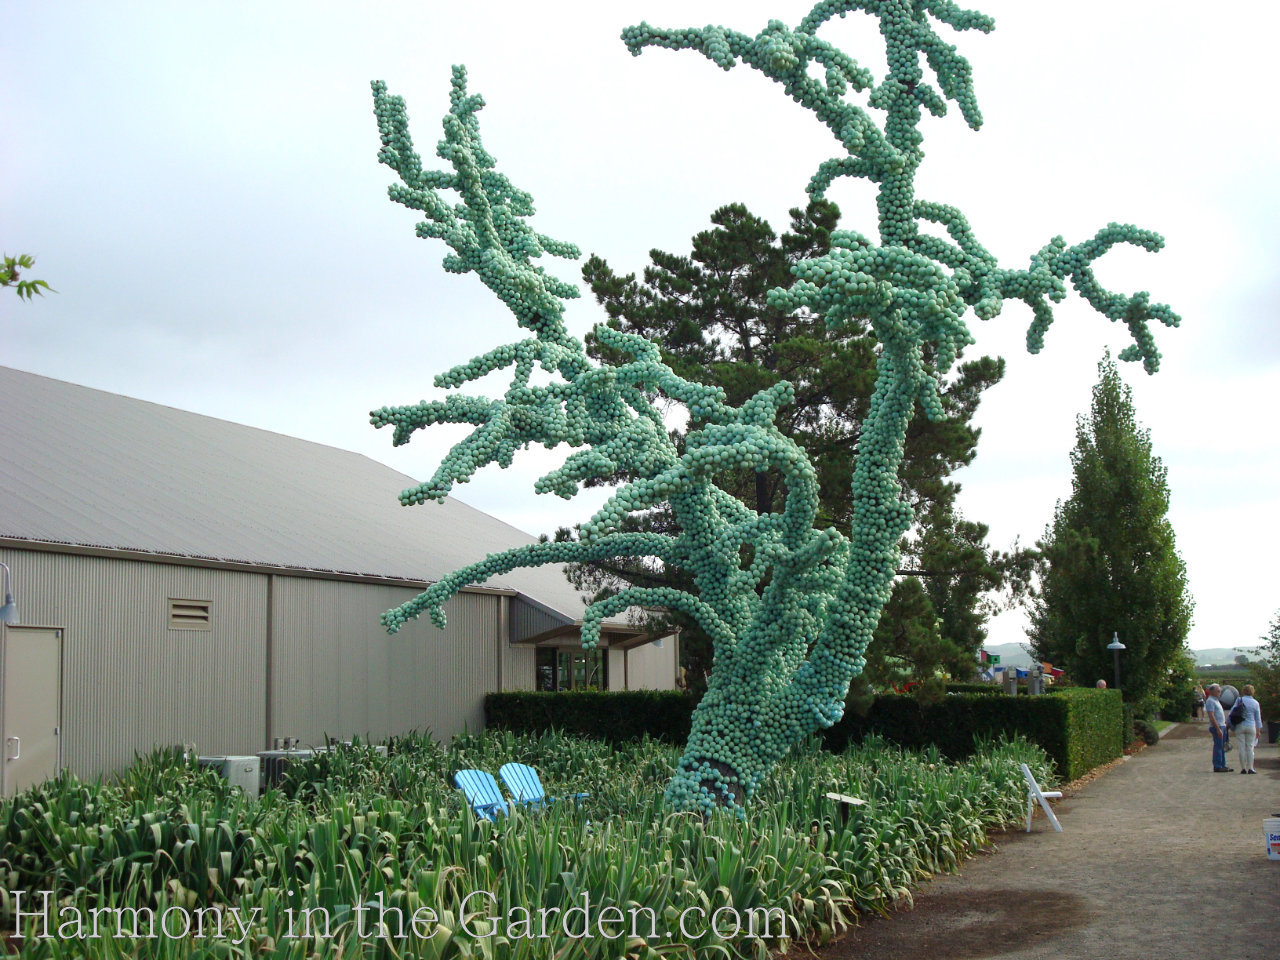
482	792
526	786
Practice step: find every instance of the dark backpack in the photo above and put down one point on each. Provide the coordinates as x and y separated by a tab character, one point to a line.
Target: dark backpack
1236	716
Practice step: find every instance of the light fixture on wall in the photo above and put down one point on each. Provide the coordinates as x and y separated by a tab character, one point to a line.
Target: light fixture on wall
9	612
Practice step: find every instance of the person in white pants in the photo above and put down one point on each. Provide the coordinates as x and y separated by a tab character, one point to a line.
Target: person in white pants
1250	728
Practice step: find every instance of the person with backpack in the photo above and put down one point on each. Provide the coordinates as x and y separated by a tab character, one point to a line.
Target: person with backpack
1246	721
1217	726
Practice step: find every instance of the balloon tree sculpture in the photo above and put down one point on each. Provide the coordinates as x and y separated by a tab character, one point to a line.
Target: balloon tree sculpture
790	608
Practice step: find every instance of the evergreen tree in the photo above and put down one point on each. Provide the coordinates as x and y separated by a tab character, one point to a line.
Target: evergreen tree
1109	562
711	318
1264	672
710	315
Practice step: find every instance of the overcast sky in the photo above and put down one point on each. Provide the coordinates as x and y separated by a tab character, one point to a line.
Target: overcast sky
199	182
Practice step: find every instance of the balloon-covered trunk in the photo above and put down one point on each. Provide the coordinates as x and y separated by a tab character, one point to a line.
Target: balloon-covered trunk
750	717
788	675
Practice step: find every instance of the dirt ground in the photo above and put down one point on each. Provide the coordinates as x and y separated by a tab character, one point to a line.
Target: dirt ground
1159	859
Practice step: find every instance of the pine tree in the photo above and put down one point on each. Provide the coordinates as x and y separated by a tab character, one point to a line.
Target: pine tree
709	314
1109	561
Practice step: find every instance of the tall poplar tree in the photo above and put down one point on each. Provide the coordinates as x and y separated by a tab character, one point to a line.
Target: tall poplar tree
1109	561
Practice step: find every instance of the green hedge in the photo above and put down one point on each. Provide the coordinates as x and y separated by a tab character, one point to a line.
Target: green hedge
616	716
1079	727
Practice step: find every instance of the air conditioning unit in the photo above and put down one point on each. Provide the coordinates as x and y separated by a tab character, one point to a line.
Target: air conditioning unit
275	762
242	772
379	749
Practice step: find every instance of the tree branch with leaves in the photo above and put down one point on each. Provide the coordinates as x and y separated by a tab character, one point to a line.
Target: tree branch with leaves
11	276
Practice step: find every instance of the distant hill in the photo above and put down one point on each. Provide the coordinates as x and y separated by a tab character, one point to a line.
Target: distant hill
1217	656
1016	655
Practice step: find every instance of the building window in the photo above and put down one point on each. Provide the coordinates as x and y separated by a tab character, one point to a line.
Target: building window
572	668
545	678
189	614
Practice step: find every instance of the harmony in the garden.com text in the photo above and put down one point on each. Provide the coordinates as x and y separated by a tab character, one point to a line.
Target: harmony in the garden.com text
38	915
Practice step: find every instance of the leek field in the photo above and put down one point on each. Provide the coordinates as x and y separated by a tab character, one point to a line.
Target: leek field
357	855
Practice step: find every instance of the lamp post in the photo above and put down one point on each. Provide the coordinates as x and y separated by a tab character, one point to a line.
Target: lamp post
1115	646
9	612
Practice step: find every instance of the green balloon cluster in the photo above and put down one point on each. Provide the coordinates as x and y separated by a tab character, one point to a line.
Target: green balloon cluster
789	608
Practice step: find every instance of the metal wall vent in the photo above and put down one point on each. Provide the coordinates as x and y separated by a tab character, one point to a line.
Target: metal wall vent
189	614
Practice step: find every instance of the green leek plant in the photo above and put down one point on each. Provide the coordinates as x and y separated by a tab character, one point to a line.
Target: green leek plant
349	835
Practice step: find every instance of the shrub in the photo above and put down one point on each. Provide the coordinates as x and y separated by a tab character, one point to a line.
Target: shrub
1079	728
1147	731
617	716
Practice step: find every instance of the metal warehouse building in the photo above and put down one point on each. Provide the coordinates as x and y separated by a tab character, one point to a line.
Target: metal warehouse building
183	579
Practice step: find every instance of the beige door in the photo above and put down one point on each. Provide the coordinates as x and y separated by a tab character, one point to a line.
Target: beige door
32	705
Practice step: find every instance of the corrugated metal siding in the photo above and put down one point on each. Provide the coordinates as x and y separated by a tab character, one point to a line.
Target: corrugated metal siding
130	682
528	620
650	667
519	662
617	669
337	672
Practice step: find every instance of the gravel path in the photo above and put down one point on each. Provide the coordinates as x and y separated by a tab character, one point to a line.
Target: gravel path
1160	859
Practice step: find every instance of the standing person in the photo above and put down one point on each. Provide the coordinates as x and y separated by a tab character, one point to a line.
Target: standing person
1199	704
1249	729
1217	726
